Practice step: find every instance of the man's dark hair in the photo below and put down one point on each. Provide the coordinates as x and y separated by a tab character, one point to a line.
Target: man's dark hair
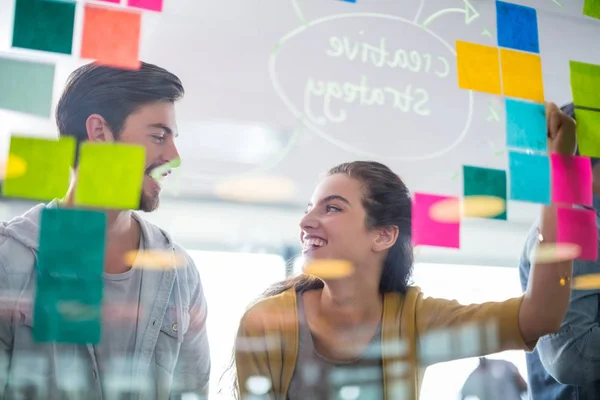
112	93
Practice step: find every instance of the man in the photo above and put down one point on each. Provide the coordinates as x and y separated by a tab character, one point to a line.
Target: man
154	343
566	365
494	380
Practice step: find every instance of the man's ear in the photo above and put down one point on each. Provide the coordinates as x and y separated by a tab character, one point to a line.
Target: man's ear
98	130
385	237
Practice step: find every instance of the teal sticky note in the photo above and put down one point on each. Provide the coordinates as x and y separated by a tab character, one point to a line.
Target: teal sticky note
529	176
69	284
585	84
526	125
591	8
26	86
45	25
479	181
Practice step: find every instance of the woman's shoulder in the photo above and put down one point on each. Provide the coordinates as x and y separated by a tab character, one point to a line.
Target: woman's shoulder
271	310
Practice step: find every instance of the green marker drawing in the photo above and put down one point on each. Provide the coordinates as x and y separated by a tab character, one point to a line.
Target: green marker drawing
455	176
299	13
471	14
558	4
486	32
157	173
493	113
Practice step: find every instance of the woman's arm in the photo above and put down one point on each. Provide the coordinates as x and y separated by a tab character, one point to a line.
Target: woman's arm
546	301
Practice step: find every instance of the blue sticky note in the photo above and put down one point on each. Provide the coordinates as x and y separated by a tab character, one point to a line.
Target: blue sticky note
517	27
526	125
529	176
69	284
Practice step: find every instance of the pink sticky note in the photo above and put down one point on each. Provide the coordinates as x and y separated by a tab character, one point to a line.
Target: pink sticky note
112	1
425	230
152	5
571	179
578	226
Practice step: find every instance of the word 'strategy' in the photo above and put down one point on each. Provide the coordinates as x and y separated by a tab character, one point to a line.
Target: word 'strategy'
404	100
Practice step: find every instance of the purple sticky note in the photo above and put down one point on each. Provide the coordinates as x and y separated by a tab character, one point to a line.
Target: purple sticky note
571	179
152	5
578	226
425	230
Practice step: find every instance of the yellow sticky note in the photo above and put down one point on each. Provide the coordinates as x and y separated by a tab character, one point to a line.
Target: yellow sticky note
522	75
110	175
588	132
38	168
478	67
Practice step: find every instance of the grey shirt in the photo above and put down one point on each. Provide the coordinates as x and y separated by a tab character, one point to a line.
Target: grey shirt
316	377
120	310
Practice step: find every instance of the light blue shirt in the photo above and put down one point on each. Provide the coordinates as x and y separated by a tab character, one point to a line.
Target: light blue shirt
566	365
171	354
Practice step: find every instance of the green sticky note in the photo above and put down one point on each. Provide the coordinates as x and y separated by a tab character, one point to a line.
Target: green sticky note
110	175
38	169
26	86
591	8
484	182
588	132
69	285
585	84
45	25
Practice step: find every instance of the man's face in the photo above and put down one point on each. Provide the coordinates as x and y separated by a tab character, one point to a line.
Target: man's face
154	127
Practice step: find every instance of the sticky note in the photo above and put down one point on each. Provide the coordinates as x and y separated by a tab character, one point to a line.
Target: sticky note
478	67
152	5
586	282
44	25
47	167
111	37
588	132
110	175
517	27
522	75
591	8
484	182
578	226
26	86
67	306
425	230
111	1
529	176
526	125
571	179
585	84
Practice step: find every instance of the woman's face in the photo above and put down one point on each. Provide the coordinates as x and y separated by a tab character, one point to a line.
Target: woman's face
334	226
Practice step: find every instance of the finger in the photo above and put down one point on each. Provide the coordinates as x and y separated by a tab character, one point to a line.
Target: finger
553	119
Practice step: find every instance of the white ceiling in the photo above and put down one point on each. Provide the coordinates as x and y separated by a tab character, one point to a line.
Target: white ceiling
245	105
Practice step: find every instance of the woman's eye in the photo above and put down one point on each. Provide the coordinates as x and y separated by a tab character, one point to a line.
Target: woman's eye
333	208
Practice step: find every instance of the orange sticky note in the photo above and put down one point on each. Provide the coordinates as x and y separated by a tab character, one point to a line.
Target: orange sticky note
478	67
522	75
111	37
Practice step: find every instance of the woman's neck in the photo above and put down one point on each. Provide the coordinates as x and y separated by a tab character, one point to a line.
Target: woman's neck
348	304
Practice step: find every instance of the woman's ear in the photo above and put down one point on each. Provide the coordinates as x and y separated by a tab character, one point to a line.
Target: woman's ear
385	237
98	130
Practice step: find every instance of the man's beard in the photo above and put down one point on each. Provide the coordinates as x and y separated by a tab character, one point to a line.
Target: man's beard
148	203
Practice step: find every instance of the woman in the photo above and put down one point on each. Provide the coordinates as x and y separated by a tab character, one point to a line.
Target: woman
310	333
